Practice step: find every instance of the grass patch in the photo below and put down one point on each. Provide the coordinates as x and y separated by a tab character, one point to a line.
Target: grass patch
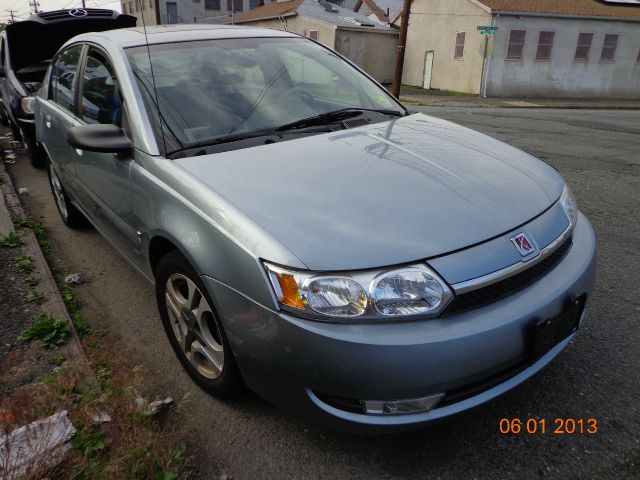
81	324
31	280
57	360
130	446
34	296
12	240
50	331
70	299
25	263
40	233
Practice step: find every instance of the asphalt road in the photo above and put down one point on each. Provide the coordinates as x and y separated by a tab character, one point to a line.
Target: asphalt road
597	376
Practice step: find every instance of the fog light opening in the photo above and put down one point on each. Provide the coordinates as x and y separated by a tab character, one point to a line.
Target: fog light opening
400	407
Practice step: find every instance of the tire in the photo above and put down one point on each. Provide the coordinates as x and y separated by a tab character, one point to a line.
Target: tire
194	328
70	215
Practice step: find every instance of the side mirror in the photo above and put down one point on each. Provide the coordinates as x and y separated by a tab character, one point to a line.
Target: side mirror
105	138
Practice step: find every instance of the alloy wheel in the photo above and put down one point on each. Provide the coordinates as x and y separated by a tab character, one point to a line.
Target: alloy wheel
194	325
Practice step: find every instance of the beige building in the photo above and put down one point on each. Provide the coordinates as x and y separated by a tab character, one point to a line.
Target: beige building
369	44
578	48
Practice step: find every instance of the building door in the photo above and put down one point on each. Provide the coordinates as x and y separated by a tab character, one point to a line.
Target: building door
172	12
428	67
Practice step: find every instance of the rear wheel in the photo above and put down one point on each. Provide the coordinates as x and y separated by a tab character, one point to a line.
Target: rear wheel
71	216
194	327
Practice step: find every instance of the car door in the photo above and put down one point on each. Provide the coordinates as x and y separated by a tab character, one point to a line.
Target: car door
105	193
56	114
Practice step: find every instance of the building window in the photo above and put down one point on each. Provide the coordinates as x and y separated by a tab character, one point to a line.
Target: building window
255	3
136	6
609	47
516	44
234	5
458	53
212	4
313	35
545	45
196	1
584	47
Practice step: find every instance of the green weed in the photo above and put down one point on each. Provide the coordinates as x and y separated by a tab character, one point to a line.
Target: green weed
50	331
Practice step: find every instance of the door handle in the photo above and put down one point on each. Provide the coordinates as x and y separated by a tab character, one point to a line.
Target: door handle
47	121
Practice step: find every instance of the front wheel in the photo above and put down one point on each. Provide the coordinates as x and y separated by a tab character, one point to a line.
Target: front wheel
193	326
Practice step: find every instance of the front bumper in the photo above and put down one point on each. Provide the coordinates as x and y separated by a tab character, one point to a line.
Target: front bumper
294	362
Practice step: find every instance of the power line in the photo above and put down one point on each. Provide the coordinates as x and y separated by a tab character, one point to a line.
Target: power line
34	4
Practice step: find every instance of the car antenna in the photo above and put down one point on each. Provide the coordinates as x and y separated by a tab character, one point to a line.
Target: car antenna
153	77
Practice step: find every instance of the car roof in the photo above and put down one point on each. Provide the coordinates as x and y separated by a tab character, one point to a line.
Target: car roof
134	37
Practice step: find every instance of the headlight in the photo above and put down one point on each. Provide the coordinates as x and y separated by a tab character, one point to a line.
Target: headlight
27	105
568	202
360	296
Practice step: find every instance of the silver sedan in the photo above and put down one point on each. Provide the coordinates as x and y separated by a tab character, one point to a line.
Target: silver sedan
365	267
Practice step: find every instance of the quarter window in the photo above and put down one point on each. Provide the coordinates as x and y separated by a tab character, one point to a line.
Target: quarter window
545	45
459	50
584	46
63	77
609	47
101	100
516	44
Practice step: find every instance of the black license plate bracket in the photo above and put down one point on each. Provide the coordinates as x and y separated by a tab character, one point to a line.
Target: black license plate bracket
548	333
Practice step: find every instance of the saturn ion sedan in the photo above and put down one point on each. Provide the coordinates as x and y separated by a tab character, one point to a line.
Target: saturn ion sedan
365	267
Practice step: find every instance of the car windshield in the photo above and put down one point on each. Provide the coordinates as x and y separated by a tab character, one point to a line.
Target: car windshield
210	90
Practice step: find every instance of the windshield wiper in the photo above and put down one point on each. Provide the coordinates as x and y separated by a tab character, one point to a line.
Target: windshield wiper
335	116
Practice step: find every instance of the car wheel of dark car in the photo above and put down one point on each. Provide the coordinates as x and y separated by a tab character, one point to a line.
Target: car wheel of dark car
71	216
193	326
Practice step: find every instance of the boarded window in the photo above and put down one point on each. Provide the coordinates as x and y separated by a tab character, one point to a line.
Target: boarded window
545	45
516	44
459	51
313	34
609	47
212	4
584	47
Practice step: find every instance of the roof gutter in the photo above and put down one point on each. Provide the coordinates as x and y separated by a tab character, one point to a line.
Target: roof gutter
367	29
564	15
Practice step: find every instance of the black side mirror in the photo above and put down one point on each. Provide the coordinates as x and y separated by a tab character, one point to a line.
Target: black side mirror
105	138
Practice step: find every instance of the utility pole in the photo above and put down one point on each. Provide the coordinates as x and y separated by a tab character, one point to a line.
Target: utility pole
83	4
402	42
13	19
34	4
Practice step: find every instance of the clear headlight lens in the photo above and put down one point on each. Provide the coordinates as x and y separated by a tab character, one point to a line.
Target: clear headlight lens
413	290
568	202
335	296
406	292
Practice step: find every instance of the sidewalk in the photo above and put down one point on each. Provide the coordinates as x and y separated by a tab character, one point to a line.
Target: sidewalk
415	96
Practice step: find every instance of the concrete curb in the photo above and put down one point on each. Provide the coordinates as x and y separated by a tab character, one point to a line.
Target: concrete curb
414	102
53	304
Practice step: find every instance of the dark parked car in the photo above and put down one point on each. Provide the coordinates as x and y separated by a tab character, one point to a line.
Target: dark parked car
26	50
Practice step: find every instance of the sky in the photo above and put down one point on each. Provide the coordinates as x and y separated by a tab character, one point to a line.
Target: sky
21	8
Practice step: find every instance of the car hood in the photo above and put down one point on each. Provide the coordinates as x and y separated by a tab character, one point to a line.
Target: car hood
38	39
384	194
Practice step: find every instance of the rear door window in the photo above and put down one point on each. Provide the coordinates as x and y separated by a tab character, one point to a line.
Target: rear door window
101	100
63	77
